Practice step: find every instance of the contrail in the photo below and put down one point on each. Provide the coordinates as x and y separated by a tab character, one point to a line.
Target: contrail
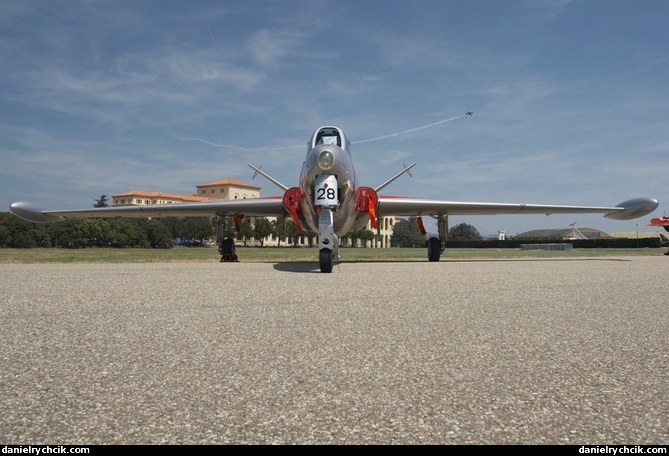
95	47
245	149
211	35
229	146
405	131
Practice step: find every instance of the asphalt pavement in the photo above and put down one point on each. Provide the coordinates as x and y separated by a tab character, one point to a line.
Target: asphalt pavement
566	351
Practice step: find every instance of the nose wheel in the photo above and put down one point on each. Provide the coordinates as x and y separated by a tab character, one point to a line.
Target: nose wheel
326	260
327	200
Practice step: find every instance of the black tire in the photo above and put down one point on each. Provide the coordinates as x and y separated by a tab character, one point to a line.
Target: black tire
433	249
326	260
227	247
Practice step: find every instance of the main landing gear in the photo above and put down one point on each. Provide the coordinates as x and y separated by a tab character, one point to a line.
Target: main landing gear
226	246
436	244
433	249
227	250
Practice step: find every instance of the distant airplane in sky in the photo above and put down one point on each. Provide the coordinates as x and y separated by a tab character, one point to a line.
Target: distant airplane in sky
469	113
330	202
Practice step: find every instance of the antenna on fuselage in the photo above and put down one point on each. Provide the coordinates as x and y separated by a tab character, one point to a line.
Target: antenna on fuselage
405	170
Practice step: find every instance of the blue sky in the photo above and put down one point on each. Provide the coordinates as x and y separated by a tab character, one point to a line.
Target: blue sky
569	98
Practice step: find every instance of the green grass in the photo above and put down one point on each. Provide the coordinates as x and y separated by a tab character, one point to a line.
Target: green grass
290	254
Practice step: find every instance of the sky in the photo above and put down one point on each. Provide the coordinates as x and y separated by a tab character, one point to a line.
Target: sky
569	99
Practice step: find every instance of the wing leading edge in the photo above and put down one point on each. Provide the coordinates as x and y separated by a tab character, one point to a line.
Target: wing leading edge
388	206
254	207
405	206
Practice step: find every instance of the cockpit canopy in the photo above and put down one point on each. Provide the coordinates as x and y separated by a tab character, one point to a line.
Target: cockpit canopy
328	136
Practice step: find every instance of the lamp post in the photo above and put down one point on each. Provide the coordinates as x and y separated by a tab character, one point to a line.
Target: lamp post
637	235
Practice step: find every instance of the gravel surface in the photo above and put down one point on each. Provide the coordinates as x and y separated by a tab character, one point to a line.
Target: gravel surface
455	352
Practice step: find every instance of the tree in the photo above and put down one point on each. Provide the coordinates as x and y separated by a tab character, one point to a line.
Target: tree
129	233
366	236
279	229
245	231
261	229
70	233
292	234
363	235
311	237
464	232
198	228
159	235
189	227
24	241
230	230
407	234
102	202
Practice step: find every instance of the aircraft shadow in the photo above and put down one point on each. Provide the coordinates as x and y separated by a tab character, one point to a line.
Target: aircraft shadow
304	266
297	266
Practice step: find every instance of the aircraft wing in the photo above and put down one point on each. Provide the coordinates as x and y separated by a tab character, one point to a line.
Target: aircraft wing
406	206
252	207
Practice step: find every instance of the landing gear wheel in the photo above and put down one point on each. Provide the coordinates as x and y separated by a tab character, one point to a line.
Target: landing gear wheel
433	249
326	260
227	250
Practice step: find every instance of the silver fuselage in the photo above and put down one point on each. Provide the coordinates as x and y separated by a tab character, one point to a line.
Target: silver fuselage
332	158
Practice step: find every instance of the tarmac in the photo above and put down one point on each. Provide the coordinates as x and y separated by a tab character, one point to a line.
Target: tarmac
552	351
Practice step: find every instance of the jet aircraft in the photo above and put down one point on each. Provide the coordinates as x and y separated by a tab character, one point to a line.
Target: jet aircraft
330	201
664	240
660	221
664	223
469	113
